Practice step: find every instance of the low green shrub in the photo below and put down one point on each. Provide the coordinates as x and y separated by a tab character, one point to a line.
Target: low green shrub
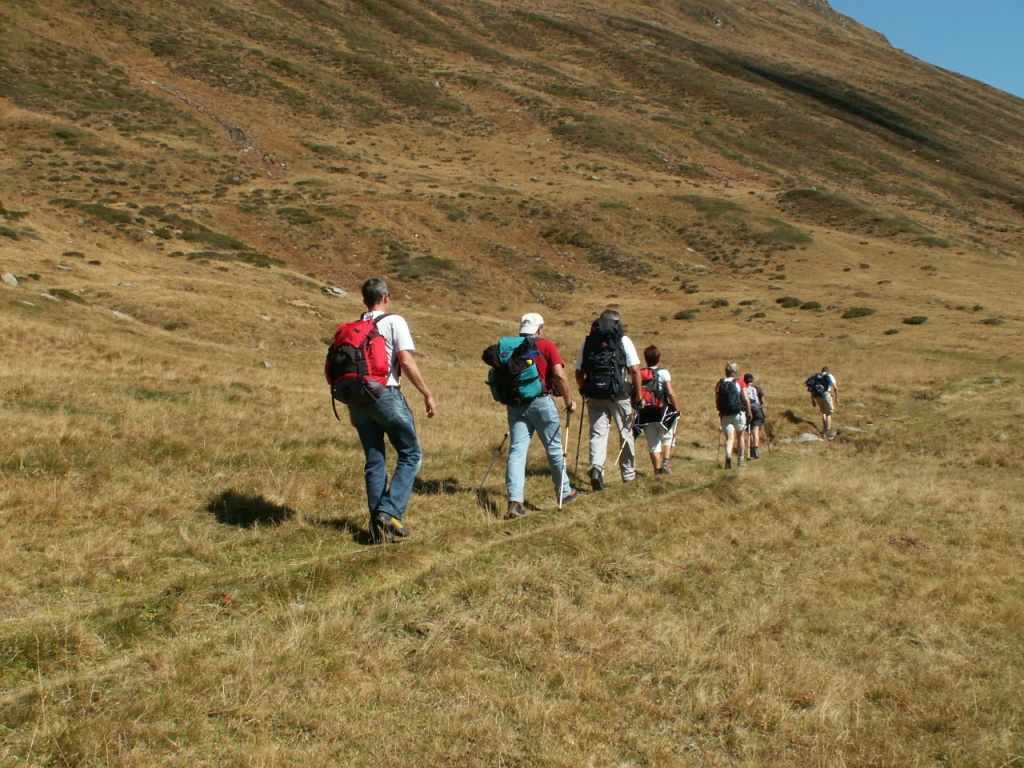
789	302
915	320
854	312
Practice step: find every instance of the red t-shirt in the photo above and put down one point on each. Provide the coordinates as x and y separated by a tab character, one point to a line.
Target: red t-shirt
549	358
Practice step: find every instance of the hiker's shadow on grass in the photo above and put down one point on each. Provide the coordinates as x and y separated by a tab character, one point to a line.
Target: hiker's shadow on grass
246	511
358	533
438	487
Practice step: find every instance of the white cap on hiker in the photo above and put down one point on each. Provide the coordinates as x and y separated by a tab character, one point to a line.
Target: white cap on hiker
530	324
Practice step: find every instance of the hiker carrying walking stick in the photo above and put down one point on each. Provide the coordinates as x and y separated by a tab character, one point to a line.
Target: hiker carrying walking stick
538	413
497	453
608	375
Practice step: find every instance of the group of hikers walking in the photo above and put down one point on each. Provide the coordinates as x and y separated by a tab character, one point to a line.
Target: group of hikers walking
368	358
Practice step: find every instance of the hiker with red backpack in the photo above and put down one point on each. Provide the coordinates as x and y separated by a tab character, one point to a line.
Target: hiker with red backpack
659	412
733	412
608	376
527	373
365	365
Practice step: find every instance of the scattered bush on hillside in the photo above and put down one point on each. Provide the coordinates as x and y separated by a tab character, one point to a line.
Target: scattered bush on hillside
65	295
811	305
690	287
915	320
854	312
933	241
686	314
789	302
992	321
9	233
784	234
215	240
580	238
717	303
298	216
453	212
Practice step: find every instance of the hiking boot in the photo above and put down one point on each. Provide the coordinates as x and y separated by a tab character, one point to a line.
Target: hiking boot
391	525
742	462
567	500
829	434
379	534
515	510
666	467
596	479
728	462
754	453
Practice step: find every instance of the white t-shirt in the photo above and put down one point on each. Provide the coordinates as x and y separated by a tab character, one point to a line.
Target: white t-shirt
397	338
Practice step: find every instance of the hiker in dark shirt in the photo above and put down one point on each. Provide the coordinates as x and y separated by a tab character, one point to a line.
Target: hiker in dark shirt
755	395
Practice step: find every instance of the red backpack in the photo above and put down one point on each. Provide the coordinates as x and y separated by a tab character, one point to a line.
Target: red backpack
357	365
652	387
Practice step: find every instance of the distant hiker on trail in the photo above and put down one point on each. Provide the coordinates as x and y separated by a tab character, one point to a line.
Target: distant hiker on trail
608	376
659	412
733	410
825	395
755	395
372	355
528	388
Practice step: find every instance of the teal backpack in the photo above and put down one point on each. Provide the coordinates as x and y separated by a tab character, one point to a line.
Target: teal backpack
514	378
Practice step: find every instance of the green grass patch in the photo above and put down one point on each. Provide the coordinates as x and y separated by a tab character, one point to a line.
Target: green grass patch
215	240
789	302
298	216
65	295
915	320
855	312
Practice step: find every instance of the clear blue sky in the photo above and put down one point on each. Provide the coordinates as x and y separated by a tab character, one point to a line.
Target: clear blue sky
983	40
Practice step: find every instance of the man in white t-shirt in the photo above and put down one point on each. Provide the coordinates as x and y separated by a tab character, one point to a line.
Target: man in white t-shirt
608	376
390	416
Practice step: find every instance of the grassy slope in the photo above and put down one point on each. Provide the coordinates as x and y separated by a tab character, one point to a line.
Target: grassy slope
857	603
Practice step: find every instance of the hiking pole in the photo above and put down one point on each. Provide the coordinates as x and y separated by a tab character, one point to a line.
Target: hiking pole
624	435
565	458
579	442
496	454
718	453
767	434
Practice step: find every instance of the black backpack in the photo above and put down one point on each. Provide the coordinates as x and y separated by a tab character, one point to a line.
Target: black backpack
604	361
819	384
728	397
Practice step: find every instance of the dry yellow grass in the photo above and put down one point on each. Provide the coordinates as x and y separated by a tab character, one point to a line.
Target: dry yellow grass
850	603
186	571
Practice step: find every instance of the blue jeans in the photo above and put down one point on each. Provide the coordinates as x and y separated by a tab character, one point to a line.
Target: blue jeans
389	416
540	416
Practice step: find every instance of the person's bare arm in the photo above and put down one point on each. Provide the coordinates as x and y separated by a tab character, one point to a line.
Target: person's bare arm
638	384
409	368
670	395
562	386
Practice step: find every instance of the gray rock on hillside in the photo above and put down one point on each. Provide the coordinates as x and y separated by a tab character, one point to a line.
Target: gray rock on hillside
332	291
10	279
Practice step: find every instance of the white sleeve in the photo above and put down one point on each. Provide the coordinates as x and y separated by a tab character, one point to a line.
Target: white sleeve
632	358
401	337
